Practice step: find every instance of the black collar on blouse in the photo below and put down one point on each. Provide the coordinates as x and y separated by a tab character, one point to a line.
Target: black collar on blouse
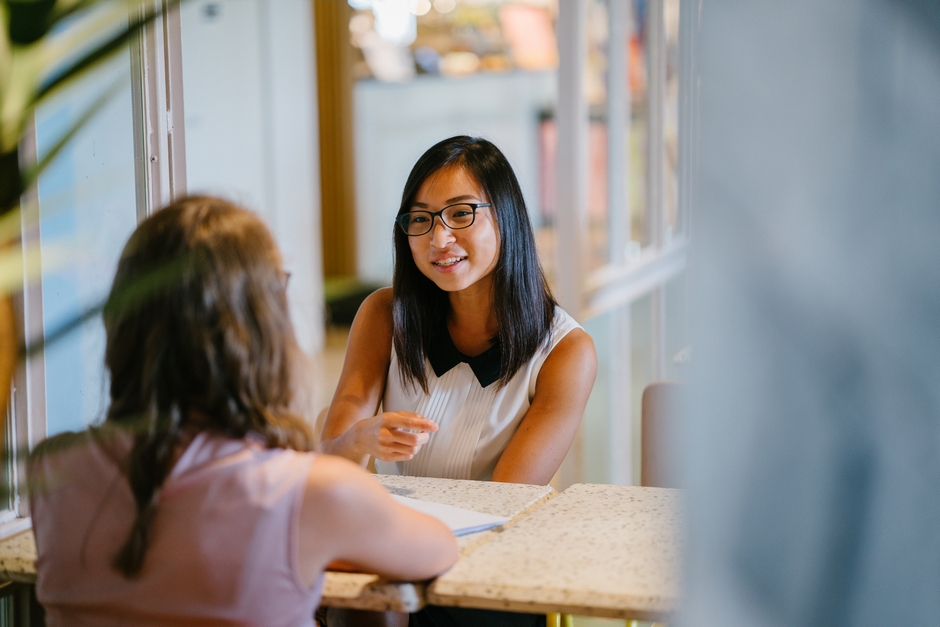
443	356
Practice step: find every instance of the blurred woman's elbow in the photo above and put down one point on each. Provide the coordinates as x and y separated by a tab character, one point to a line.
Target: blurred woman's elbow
448	556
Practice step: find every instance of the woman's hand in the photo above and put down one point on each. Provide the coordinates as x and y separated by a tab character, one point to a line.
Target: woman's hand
393	436
352	429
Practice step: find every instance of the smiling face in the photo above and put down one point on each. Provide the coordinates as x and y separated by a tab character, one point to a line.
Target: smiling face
462	259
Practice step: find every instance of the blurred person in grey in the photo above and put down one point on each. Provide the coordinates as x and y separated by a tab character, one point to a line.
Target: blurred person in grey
812	446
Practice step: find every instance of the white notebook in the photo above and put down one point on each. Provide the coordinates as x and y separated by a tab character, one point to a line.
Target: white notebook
461	521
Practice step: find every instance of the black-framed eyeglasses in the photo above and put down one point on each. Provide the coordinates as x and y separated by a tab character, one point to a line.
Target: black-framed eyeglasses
456	216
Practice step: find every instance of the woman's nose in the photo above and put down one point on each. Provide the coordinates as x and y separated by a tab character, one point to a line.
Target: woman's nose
440	234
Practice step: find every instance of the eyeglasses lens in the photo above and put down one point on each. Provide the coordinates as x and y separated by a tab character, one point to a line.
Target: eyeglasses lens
458	216
453	217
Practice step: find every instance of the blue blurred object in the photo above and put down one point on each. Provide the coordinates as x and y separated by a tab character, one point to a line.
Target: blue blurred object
427	59
812	448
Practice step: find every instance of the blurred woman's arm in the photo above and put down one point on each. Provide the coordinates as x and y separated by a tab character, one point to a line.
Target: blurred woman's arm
347	516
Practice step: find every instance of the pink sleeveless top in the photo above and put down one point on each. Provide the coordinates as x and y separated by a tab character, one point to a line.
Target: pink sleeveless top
222	547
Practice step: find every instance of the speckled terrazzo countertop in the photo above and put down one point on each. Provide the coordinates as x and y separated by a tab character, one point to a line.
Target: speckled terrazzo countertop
18	557
594	550
369	592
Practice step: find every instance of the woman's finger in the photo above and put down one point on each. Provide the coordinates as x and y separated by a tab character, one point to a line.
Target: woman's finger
407	438
398	447
409	421
397	455
404	449
395	435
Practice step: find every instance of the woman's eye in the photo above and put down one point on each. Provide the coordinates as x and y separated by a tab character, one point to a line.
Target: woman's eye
417	219
462	213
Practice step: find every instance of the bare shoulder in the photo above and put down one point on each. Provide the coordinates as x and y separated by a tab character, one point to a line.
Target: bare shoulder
370	338
377	306
573	361
576	347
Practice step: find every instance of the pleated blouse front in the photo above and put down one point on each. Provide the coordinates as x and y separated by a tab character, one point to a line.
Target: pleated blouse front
476	421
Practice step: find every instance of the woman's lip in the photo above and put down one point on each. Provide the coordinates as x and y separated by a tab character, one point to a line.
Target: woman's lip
450	267
442	260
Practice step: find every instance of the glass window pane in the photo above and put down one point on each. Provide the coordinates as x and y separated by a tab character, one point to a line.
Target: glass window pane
611	426
671	213
615	89
678	350
600	410
88	209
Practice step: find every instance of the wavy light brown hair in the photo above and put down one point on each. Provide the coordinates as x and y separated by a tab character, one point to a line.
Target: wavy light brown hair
198	337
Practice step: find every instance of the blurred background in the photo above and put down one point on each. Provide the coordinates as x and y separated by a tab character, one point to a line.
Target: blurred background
312	113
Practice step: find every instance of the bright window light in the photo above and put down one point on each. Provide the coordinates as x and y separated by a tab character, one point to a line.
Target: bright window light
394	22
444	6
419	7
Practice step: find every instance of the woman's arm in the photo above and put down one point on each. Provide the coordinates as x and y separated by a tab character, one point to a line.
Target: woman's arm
352	428
561	392
348	517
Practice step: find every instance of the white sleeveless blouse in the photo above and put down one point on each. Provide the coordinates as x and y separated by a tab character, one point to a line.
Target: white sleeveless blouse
475	422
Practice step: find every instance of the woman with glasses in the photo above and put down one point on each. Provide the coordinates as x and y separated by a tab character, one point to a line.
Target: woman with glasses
196	501
466	367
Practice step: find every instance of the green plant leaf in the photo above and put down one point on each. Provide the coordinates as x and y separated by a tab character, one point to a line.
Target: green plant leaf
11	181
67	8
71	42
6	47
33	72
103	50
19	84
10	227
29	20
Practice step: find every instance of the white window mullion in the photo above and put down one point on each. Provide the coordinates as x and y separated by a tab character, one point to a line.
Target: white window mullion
175	119
689	15
619	116
158	107
572	162
27	412
618	130
656	81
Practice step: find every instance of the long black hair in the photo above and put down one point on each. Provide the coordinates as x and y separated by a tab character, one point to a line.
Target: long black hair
523	303
213	340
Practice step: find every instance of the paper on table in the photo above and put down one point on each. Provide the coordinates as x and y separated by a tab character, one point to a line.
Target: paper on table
461	521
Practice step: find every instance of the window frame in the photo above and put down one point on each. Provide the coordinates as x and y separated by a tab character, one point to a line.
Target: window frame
160	176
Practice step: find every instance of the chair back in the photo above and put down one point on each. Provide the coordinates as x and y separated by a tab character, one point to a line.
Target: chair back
659	412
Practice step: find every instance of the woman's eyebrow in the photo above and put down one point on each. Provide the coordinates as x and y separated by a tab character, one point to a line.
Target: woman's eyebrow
461	198
449	201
